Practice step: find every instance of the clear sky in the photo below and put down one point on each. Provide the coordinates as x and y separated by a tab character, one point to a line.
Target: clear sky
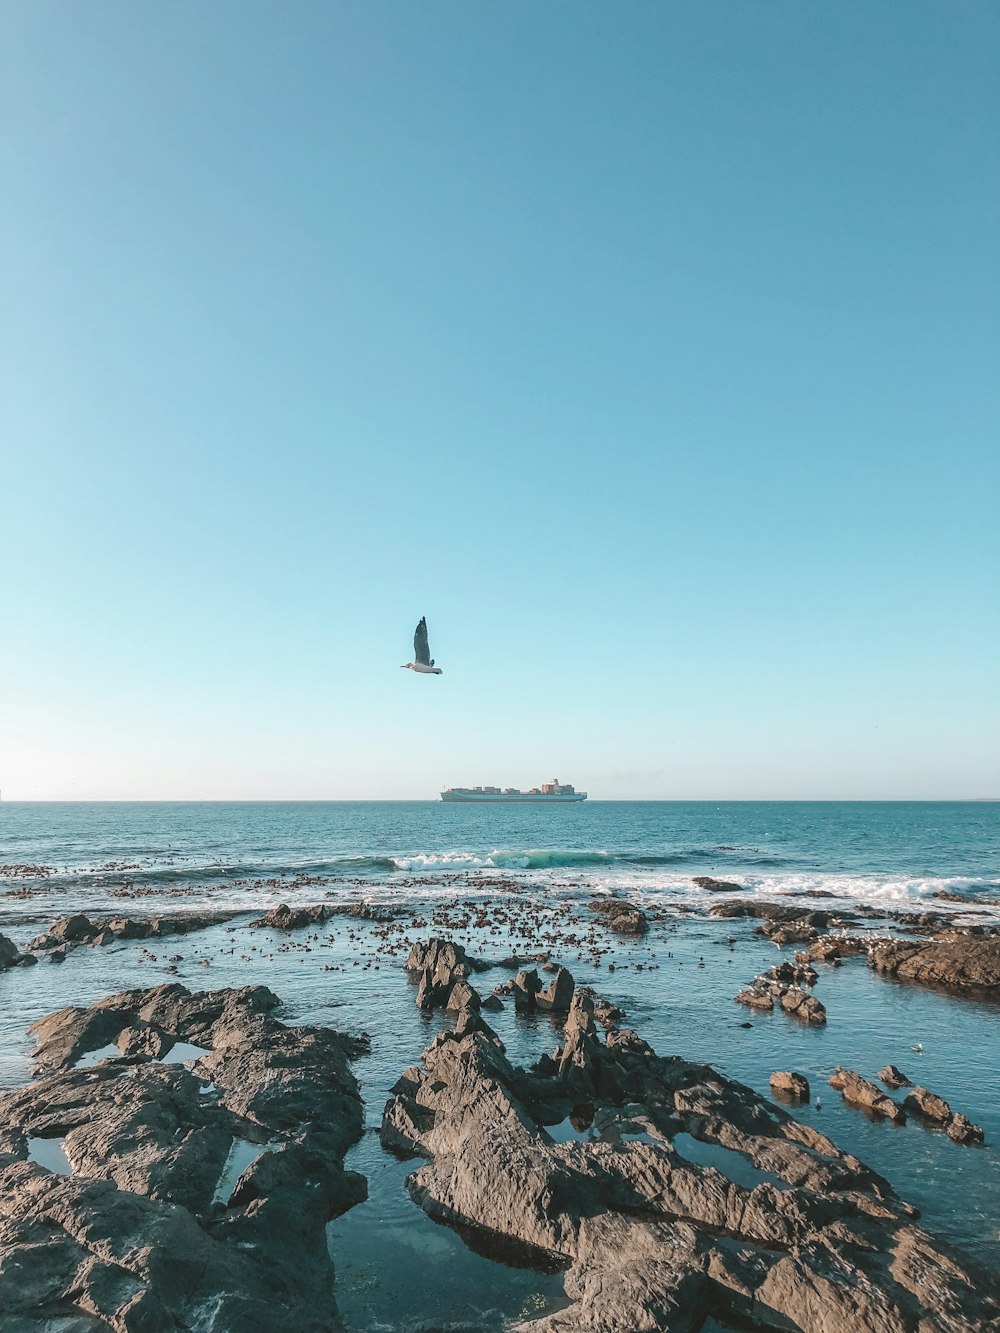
650	350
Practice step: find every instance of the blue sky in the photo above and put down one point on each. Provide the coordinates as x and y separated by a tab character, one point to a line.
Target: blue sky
649	350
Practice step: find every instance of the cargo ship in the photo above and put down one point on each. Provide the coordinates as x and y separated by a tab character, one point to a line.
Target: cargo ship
549	793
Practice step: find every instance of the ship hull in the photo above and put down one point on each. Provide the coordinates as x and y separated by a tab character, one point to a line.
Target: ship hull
473	799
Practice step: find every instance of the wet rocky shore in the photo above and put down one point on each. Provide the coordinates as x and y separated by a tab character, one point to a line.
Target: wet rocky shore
188	1158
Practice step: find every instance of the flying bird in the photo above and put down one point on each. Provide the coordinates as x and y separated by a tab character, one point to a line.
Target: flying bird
422	660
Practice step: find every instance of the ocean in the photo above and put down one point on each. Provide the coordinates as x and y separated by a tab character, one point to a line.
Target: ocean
890	854
530	870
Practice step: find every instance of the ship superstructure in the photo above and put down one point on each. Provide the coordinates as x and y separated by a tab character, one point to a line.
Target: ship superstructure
549	793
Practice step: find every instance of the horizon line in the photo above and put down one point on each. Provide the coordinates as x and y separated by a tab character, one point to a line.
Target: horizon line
427	800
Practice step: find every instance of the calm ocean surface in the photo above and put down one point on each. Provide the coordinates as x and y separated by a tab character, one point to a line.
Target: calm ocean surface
891	854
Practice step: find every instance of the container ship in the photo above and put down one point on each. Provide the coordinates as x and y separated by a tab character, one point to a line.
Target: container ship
549	793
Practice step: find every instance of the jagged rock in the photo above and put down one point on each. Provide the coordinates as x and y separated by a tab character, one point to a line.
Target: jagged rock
788	932
558	994
132	1239
788	974
651	1240
283	917
961	962
526	987
621	916
793	1086
756	997
144	1041
893	1077
10	955
437	953
61	1038
832	948
67	930
934	1110
768	911
717	885
126	928
607	1014
857	1091
443	966
492	1003
364	911
962	1130
73	928
806	1008
463	996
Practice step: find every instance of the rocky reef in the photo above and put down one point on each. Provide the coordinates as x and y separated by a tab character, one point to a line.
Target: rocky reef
192	1194
954	959
667	1192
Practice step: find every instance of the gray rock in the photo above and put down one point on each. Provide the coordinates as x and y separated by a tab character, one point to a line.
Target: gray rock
558	994
526	987
132	1239
794	1087
649	1239
283	917
893	1077
622	917
858	1091
934	1110
958	962
145	1041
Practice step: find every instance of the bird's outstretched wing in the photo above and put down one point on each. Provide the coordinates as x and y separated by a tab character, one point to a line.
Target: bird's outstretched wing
421	649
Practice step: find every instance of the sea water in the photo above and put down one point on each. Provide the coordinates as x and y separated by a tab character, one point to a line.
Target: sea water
396	1269
193	853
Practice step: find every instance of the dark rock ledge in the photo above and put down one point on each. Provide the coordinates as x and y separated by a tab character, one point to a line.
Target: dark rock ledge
957	960
133	1239
648	1238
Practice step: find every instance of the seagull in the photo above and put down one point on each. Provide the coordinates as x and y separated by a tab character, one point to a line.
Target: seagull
422	660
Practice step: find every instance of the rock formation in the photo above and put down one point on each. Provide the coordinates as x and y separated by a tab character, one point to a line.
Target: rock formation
10	956
793	1087
144	1232
648	1238
442	966
620	915
961	962
858	1091
284	917
893	1077
934	1110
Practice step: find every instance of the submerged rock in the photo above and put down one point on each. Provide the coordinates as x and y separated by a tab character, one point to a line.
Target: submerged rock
650	1239
137	1236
